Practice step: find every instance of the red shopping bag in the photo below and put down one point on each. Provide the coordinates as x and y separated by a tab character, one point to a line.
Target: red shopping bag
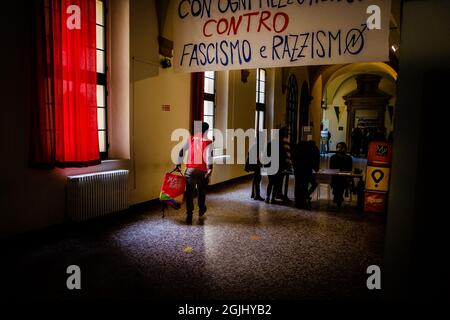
173	188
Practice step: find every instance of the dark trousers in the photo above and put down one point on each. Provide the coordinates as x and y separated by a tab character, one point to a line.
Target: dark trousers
283	182
256	193
274	185
305	184
339	184
312	184
195	179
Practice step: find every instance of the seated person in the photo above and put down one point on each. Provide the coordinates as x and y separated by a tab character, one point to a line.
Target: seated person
342	161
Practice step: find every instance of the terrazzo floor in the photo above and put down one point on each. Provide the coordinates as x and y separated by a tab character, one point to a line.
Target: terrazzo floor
242	249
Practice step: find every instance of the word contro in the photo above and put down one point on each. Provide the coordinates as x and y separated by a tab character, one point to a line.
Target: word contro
278	23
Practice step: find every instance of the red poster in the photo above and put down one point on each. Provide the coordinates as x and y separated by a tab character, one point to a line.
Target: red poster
380	153
375	201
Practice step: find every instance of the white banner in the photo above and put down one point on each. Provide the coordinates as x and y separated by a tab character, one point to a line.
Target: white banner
243	34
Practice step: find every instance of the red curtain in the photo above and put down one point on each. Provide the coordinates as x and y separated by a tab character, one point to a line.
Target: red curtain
197	99
68	81
42	138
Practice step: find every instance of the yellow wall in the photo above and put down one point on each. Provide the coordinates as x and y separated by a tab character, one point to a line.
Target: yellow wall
152	87
281	78
270	97
119	79
301	74
153	128
330	114
279	99
315	107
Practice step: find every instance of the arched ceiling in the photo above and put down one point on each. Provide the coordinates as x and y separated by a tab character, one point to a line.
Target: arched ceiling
333	77
330	73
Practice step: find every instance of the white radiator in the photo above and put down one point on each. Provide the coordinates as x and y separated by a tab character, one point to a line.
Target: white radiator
96	194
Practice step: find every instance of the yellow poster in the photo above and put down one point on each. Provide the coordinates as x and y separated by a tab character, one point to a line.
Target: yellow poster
377	178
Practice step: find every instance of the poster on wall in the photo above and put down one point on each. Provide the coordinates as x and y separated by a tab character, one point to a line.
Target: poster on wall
215	35
377	178
380	152
375	201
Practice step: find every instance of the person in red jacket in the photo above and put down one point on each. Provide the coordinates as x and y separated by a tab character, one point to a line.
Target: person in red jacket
198	170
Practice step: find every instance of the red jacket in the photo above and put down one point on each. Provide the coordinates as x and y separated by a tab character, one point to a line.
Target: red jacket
197	148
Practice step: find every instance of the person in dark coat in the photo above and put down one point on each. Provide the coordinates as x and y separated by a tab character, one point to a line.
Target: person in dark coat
276	179
306	159
285	153
253	164
342	161
314	156
356	136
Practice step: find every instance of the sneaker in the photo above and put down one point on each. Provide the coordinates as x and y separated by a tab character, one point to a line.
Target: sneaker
259	198
202	212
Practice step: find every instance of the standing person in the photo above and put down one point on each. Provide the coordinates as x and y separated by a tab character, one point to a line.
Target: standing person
380	134
306	159
256	169
198	170
364	142
356	138
342	161
276	179
328	140
391	137
325	137
285	156
314	160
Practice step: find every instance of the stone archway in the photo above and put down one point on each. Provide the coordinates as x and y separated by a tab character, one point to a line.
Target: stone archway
366	99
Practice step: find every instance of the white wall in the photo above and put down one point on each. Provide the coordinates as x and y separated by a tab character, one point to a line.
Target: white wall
119	79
